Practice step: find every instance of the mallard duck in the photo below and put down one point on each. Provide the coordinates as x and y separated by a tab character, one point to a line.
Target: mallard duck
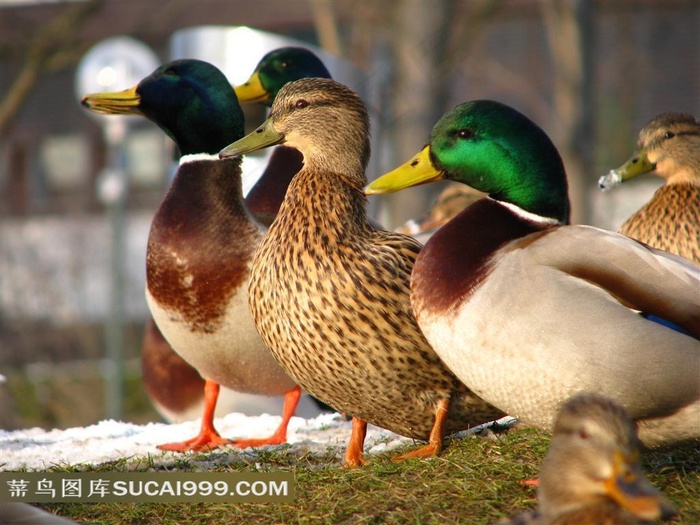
668	147
591	474
202	241
174	387
329	293
527	310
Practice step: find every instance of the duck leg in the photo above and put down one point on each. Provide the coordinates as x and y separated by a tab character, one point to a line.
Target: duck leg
437	433
291	400
353	454
208	437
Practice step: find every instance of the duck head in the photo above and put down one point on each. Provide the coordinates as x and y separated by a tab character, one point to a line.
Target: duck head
492	148
323	119
594	457
668	147
191	100
277	68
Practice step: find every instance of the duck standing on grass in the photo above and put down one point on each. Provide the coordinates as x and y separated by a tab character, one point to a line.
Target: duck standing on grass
591	474
202	241
176	388
528	311
329	293
668	147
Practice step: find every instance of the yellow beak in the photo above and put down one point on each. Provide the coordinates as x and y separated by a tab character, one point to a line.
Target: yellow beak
252	90
118	103
418	170
632	491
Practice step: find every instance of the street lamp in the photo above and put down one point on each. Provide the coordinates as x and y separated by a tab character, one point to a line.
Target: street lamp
112	65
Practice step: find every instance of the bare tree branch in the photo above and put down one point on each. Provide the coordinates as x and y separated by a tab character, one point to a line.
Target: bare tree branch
54	46
326	26
569	27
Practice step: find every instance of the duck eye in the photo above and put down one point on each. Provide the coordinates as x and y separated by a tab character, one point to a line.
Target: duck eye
583	434
284	65
669	135
170	72
301	104
465	134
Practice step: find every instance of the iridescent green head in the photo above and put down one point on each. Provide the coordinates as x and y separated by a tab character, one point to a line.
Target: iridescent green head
492	148
191	100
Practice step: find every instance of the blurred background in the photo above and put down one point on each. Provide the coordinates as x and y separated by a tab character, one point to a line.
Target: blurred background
590	72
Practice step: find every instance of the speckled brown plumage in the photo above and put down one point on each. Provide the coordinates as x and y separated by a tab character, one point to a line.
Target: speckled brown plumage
671	219
329	294
591	475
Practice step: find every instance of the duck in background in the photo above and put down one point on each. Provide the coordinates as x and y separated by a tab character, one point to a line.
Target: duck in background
202	241
591	474
449	202
526	310
329	293
668	147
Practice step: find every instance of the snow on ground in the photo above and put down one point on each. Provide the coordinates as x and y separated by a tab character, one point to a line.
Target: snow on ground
39	449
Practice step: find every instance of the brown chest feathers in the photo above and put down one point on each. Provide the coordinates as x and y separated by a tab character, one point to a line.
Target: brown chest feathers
201	243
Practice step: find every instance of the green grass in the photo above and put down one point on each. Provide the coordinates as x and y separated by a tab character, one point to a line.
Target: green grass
476	480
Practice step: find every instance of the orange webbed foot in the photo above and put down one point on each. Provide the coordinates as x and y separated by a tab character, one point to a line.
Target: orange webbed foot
437	433
203	441
428	451
208	438
291	400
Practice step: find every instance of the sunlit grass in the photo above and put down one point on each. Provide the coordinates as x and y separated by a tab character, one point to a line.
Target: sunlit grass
476	480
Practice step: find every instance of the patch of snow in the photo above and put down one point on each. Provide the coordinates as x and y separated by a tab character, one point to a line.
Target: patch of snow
39	449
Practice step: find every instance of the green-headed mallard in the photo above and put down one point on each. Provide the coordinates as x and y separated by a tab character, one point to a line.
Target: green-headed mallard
592	475
329	293
526	310
668	147
202	241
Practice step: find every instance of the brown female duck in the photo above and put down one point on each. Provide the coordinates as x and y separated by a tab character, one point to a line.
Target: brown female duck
330	294
668	147
591	475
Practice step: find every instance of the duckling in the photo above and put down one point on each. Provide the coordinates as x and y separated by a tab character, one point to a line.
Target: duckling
202	241
329	293
527	310
592	475
668	147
